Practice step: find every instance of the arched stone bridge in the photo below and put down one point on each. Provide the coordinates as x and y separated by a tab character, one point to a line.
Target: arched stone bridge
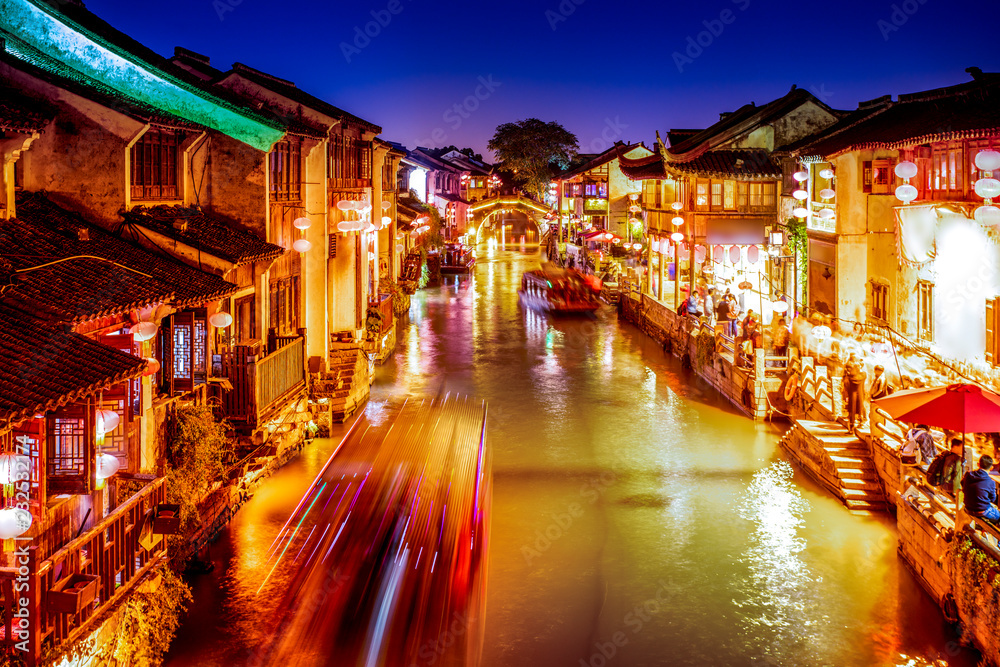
487	213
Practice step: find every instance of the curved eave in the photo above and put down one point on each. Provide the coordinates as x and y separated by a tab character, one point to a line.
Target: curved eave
54	34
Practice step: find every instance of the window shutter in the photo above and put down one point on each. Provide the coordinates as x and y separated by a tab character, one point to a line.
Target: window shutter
991	329
182	346
70	449
333	246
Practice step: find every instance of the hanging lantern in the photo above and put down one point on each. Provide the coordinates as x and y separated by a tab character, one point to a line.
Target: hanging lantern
302	245
422	220
882	350
302	223
826	173
801	195
753	254
14	522
220	320
107	466
699	253
345	205
801	176
734	254
676	237
988	160
988	215
779	307
13	468
677	222
677	206
633	196
718	252
820	333
142	331
608	236
826	213
827	193
907	193
906	170
386	205
107	420
633	221
634	209
400	247
800	212
152	366
386	221
344	226
988	188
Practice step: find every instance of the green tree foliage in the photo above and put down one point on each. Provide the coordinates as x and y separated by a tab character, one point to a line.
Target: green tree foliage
197	455
438	152
149	621
529	147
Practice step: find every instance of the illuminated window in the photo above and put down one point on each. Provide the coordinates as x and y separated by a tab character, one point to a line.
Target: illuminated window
880	301
716	195
701	195
742	195
186	348
729	195
925	310
155	164
992	328
349	162
285	166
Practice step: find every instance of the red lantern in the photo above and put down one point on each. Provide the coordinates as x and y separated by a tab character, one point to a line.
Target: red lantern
753	254
734	254
718	252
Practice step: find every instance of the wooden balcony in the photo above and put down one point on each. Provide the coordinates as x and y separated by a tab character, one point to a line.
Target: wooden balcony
76	584
261	385
384	307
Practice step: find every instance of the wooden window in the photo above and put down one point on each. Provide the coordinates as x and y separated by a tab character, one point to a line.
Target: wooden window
70	449
925	310
880	301
285	164
992	328
756	195
349	162
768	197
185	350
155	164
246	319
866	176
716	195
26	439
285	306
882	177
729	195
742	195
701	195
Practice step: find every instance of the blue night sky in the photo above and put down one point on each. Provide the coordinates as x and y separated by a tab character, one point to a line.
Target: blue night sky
606	69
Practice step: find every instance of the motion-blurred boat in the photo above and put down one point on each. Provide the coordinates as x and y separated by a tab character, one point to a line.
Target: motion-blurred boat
559	291
457	258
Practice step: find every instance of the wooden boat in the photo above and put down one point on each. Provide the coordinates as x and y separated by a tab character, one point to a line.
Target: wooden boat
559	291
457	258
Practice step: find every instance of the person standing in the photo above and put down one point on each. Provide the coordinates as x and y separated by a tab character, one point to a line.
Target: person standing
709	309
854	387
734	314
779	338
981	491
722	314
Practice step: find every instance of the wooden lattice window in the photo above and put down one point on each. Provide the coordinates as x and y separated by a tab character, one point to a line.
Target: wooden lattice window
925	310
155	165
70	449
26	440
285	164
992	327
186	360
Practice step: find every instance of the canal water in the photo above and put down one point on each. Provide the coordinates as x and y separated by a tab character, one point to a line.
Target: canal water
638	519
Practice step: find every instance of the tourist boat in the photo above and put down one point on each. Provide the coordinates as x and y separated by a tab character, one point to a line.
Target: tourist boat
457	258
559	291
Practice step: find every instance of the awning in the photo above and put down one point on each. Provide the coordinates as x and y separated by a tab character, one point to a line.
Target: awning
733	231
590	236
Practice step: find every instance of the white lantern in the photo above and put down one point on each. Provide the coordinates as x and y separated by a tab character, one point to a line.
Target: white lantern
633	196
344	226
107	419
988	188
988	160
302	223
608	236
678	221
827	193
634	221
345	205
370	226
801	195
826	213
988	215
14	521
801	176
826	173
386	205
821	333
634	208
386	221
677	206
400	247
906	170
676	237
422	220
107	465
13	467
302	245
220	320
906	193
800	212
142	331
779	307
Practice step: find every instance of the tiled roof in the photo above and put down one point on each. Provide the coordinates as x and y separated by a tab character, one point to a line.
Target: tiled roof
95	282
447	196
204	232
23	114
43	366
612	153
737	163
968	110
289	90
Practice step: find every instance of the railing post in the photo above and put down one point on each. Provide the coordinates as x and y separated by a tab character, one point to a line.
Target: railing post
837	395
34	609
758	363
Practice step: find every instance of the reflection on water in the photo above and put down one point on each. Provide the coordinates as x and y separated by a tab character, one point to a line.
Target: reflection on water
629	498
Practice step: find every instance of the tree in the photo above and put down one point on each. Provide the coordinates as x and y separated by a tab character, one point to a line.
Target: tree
468	152
529	147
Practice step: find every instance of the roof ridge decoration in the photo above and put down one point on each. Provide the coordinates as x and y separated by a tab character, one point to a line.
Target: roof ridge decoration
240	67
99	58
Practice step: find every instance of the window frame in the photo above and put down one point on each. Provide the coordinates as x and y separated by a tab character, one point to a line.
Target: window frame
155	165
925	311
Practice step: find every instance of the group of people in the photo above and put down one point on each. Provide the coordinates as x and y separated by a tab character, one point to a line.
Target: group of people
745	328
946	471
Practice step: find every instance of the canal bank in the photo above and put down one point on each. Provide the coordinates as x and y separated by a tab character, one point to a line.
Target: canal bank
630	501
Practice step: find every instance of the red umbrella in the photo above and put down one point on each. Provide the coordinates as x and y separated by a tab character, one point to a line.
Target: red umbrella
966	408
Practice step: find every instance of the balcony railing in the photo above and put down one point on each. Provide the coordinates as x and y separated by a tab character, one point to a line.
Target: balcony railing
384	307
87	576
262	384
